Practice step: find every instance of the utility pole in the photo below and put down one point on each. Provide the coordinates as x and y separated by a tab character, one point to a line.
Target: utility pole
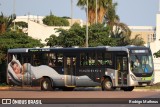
87	26
14	11
159	6
71	12
96	11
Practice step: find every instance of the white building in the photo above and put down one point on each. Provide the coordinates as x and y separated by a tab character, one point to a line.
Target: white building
38	30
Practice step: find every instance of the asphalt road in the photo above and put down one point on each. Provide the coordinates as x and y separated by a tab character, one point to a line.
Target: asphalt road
80	97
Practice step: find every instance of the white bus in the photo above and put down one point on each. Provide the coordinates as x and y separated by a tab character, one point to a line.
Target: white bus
66	68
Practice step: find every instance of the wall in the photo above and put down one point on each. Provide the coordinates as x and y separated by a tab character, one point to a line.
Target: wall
40	31
156	62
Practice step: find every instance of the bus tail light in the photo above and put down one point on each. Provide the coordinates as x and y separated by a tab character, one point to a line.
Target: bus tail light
133	78
9	78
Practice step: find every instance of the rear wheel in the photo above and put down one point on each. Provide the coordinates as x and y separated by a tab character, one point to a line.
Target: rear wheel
46	84
107	85
128	88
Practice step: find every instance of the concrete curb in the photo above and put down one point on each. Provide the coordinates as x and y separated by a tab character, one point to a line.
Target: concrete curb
157	90
18	88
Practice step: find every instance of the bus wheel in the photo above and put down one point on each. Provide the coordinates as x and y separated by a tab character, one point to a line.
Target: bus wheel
128	88
107	85
46	85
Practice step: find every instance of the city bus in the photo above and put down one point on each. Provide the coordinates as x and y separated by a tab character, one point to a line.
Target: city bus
66	68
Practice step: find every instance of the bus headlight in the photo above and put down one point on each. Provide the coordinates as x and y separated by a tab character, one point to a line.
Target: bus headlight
133	78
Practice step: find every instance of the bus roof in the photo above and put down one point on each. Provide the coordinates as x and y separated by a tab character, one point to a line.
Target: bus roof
104	48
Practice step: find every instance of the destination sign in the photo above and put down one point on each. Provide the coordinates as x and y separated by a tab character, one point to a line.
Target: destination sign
39	50
139	51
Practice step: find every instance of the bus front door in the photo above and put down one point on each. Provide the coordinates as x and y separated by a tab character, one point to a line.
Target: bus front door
69	70
121	66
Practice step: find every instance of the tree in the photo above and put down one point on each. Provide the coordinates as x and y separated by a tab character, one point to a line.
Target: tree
113	22
157	54
99	36
12	39
118	30
5	22
101	10
55	21
75	36
137	40
52	40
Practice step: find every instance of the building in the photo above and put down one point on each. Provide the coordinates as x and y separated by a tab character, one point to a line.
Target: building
38	30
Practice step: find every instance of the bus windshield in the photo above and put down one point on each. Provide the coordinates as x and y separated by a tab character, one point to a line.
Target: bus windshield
141	63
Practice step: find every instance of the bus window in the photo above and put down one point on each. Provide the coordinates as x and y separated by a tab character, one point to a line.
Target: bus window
51	59
108	59
100	59
92	59
59	60
84	59
124	63
87	59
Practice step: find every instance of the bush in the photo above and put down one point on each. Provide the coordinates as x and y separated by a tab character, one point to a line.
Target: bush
55	21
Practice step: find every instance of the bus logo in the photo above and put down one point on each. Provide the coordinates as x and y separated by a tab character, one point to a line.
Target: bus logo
6	101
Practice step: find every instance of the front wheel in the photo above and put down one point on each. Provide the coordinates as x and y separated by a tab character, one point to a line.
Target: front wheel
46	84
107	85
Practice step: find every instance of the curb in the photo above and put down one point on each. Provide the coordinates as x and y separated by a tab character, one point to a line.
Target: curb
18	88
157	90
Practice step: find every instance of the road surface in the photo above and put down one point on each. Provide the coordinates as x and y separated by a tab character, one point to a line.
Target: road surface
82	97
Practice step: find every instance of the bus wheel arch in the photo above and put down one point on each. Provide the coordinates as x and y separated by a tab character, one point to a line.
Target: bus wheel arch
107	84
46	83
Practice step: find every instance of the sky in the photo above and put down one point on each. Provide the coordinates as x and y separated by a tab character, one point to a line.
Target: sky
131	12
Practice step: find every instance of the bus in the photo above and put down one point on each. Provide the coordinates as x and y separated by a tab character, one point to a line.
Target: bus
66	68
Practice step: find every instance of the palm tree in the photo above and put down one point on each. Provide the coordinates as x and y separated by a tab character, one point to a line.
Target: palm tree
101	9
117	28
6	22
137	40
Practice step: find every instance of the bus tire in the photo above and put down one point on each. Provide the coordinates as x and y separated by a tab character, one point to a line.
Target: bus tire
46	84
128	88
107	85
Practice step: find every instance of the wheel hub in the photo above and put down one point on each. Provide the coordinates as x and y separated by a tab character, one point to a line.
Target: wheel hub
45	85
108	85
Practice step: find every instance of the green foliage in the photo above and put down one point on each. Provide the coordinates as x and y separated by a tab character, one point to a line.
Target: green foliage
75	36
55	21
137	40
157	54
99	36
5	22
11	39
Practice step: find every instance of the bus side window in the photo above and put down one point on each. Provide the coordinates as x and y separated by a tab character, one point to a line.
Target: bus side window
37	62
108	59
83	59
